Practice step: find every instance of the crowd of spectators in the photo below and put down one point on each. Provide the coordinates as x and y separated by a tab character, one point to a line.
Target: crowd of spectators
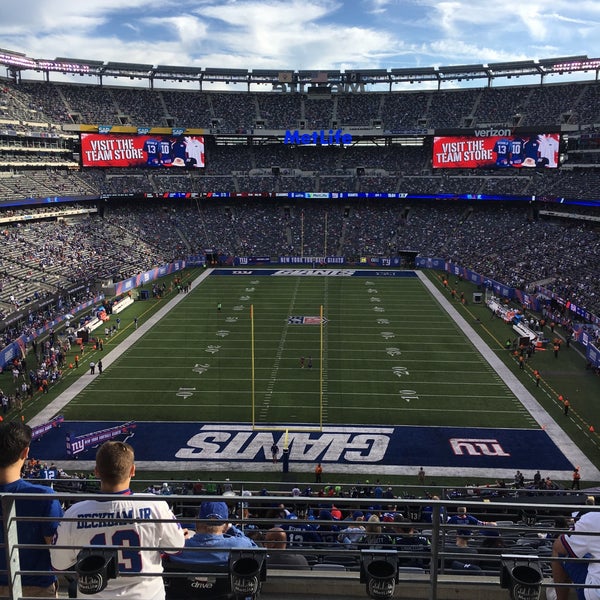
231	112
318	523
403	169
509	244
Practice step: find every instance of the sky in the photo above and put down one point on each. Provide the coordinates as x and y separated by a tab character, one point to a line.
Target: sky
302	34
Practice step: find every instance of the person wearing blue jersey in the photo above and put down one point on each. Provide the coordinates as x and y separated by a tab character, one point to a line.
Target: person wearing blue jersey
164	151
15	438
328	529
502	150
517	149
151	148
300	534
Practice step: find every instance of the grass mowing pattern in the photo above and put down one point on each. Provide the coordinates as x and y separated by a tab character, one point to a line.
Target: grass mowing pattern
391	355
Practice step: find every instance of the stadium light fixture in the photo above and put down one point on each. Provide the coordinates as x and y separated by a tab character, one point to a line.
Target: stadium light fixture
379	571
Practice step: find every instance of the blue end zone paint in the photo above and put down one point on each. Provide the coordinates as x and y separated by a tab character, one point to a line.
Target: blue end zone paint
361	446
316	272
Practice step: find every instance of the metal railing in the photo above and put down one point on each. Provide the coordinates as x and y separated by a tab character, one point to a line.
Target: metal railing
522	530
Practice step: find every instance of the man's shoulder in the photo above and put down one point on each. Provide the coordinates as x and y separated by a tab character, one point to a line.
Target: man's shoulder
82	505
589	520
26	487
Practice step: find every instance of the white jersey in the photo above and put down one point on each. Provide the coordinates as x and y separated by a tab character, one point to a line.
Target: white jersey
549	149
580	545
195	149
88	530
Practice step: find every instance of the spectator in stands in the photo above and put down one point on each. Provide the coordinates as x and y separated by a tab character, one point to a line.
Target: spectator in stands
375	537
465	559
214	536
413	549
276	540
15	439
354	532
115	467
462	518
583	542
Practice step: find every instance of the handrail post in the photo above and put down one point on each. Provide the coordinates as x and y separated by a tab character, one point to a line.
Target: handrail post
13	564
435	548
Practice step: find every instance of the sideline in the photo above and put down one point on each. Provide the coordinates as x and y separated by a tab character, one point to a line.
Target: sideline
542	418
82	382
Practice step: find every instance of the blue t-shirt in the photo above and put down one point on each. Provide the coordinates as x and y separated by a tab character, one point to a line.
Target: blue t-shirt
215	548
32	532
464	520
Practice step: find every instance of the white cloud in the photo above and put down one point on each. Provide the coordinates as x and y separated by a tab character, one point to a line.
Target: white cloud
190	30
296	35
39	17
377	7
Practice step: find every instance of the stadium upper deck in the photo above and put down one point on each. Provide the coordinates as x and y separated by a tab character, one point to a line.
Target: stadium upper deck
40	121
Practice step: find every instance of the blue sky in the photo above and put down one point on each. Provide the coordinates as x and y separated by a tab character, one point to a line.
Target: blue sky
302	34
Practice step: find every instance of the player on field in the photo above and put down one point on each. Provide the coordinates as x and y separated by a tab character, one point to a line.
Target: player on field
115	467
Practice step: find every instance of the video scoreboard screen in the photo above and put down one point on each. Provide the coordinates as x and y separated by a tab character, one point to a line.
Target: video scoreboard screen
537	150
150	151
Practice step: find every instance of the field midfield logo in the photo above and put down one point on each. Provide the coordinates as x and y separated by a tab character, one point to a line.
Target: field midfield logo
477	447
306	321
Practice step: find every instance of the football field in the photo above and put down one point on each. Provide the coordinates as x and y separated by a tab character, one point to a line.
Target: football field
386	354
349	367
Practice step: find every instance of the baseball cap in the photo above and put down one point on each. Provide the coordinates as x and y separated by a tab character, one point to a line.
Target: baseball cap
214	510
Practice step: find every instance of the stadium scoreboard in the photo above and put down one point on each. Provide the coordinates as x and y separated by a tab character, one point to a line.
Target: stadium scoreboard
149	151
496	149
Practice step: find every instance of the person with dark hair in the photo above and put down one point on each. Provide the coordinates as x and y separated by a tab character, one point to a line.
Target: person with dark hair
109	522
15	439
276	539
413	549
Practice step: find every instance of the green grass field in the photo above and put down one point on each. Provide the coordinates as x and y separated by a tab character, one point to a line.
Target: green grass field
388	354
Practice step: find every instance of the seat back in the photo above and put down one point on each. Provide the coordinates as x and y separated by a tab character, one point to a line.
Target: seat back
201	581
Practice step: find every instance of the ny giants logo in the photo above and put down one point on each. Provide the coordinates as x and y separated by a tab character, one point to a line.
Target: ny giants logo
477	447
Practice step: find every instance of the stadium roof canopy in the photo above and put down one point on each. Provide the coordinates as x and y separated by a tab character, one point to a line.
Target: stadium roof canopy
17	63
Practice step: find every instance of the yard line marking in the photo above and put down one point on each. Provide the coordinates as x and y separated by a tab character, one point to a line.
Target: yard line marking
278	356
